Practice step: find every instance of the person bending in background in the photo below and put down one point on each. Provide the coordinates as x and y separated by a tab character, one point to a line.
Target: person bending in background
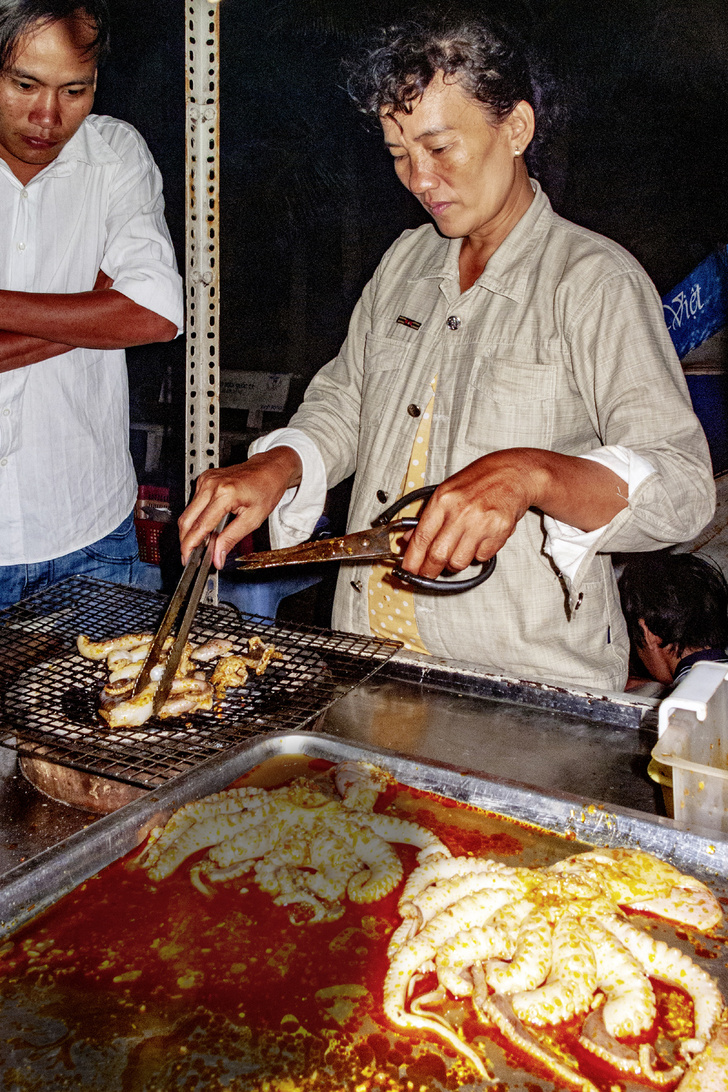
87	269
676	608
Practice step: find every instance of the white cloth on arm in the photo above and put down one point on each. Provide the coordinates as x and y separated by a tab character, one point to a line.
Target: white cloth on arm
294	518
568	546
66	475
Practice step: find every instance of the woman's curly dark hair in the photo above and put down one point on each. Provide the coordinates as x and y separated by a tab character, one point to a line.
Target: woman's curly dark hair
487	59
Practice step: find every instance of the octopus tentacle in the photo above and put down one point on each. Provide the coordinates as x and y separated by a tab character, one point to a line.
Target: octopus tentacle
472	911
419	1005
211	650
437	869
252	842
660	1077
457	955
125	673
672	966
216	875
99	650
466	914
384	868
393	829
219	803
420	949
334	861
280	816
596	1038
569	988
127	712
120	657
407	961
436	898
286	885
191	700
630	1007
404	932
497	1011
206	832
531	960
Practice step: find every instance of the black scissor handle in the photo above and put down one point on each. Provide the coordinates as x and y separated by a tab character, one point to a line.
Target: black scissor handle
447	587
408	498
428	583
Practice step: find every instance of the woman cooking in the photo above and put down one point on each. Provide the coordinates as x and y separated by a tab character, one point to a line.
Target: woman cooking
517	359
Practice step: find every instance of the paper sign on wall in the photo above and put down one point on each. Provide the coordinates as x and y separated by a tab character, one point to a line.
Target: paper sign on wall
260	391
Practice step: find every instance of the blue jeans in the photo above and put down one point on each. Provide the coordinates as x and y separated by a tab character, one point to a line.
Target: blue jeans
114	557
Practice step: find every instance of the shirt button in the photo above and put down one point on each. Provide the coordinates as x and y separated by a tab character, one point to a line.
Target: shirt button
6	412
3	462
357	585
24	194
413	410
21	246
454	322
382	497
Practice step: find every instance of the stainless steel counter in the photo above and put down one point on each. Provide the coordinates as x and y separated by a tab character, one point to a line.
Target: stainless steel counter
547	749
548	737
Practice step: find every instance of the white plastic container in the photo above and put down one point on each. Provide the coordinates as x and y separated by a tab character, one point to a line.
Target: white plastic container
694	745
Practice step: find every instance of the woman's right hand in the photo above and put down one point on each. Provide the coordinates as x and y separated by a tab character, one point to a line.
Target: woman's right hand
250	491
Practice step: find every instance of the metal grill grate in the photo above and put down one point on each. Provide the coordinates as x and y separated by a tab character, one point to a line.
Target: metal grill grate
48	692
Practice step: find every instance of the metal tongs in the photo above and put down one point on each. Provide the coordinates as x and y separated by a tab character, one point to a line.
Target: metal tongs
369	546
194	576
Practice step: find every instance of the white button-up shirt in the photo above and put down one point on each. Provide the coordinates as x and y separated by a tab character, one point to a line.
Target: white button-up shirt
66	475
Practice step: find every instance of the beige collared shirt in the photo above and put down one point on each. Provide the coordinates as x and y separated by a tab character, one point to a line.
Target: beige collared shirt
559	344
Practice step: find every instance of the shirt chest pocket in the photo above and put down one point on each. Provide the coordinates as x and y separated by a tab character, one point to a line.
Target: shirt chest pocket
384	360
509	403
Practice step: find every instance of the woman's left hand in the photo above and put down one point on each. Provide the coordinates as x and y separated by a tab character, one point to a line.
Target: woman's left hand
472	514
469	516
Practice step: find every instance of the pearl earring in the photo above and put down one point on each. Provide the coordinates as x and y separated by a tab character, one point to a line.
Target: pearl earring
517	152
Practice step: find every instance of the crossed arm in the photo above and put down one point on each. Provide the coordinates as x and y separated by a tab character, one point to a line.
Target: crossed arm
35	326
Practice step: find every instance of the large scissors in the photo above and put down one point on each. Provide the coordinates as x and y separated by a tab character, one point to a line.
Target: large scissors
373	545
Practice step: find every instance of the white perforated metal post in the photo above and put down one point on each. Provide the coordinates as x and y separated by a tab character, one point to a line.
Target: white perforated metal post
202	258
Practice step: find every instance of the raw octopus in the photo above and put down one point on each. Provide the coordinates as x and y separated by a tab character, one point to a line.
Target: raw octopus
306	847
534	948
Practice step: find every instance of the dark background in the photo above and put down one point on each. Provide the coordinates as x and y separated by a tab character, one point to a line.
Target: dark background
308	197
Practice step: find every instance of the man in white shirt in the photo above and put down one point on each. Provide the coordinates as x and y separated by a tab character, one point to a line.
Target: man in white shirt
86	268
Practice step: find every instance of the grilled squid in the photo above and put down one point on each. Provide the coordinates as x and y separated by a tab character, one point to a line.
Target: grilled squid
191	691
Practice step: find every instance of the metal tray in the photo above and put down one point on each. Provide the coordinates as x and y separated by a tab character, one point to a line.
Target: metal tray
38	883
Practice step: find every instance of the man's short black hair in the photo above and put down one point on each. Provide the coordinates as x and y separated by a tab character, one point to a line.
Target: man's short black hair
18	17
683	599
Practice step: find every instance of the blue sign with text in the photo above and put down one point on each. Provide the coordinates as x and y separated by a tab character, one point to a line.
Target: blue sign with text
698	307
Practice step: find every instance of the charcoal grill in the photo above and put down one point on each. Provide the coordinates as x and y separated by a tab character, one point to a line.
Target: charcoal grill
48	692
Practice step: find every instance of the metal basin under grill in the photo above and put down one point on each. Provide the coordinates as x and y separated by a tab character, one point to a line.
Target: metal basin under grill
48	692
